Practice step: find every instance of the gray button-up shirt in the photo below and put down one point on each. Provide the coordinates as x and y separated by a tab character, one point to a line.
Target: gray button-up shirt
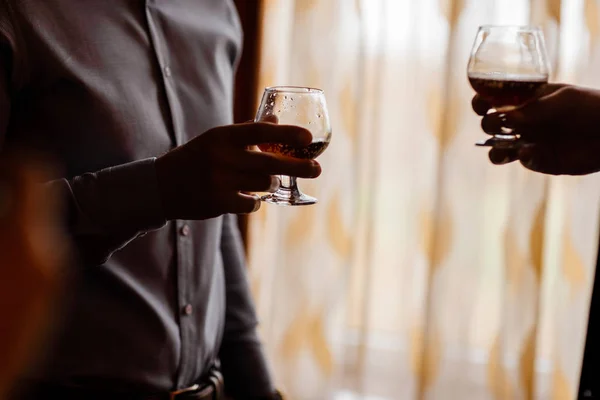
104	86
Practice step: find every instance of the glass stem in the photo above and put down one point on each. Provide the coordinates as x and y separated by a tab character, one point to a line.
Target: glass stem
288	183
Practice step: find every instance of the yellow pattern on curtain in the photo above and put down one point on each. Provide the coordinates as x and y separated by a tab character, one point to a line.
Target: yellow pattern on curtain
424	272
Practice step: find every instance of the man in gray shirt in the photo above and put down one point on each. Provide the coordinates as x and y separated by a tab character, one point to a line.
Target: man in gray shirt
160	299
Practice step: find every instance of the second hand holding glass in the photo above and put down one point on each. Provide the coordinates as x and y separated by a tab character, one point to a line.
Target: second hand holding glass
305	107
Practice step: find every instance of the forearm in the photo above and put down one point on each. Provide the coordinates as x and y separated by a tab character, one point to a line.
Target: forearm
108	209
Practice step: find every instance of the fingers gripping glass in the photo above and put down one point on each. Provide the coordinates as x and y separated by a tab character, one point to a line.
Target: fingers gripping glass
508	67
298	106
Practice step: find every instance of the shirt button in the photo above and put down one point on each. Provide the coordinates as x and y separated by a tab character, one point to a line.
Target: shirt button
188	309
167	71
185	230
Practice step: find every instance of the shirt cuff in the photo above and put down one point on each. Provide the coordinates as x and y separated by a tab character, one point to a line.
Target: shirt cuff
121	198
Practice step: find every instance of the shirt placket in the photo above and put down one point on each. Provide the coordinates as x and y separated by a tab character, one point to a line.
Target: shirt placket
183	231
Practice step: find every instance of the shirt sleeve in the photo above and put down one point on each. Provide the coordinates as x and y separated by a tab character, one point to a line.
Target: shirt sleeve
243	362
108	209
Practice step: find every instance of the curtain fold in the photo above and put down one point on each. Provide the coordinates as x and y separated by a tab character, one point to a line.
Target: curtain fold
424	272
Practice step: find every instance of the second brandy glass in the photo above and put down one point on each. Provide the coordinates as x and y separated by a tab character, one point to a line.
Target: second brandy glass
305	107
508	68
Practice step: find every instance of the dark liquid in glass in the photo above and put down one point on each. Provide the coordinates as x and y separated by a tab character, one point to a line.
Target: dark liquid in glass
311	151
507	90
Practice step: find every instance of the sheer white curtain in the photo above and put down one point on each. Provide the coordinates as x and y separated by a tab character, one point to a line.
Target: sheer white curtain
424	271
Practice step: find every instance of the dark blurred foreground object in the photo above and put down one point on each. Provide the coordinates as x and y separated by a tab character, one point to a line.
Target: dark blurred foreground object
33	250
589	384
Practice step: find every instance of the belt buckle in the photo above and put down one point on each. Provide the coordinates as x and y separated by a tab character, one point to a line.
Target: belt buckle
173	395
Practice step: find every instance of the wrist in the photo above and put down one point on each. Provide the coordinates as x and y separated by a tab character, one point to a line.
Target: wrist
164	181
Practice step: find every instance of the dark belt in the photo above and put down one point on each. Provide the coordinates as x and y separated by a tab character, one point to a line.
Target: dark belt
210	388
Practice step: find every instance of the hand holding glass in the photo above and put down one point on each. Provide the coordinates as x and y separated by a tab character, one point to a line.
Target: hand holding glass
305	107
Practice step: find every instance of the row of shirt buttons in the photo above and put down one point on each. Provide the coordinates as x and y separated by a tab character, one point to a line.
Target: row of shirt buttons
184	231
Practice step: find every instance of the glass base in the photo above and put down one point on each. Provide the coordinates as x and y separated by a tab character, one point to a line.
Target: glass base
287	197
500	141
